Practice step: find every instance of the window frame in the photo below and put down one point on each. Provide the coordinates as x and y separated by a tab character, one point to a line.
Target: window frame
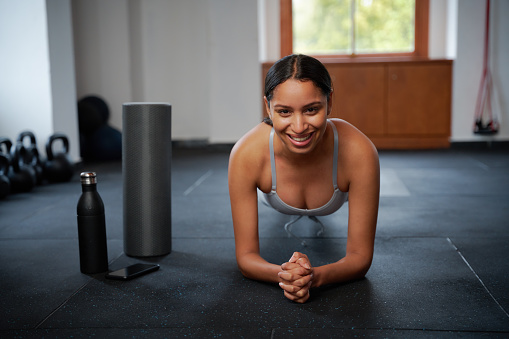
421	34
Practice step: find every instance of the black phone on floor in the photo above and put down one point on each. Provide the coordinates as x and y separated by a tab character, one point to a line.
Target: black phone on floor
133	271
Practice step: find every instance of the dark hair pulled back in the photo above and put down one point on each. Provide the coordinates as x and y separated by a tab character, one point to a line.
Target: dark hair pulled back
300	67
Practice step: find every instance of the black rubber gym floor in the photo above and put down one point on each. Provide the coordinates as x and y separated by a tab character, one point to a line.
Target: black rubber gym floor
440	268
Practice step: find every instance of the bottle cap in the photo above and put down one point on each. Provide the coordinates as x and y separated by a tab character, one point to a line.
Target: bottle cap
88	178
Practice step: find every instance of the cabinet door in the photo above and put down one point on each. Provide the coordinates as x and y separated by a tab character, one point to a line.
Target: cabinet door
359	96
419	100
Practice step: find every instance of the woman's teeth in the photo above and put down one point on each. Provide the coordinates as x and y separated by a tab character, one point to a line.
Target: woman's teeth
301	139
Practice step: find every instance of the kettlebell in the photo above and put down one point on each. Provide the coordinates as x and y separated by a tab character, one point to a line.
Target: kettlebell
32	157
5	146
58	167
5	183
21	175
5	159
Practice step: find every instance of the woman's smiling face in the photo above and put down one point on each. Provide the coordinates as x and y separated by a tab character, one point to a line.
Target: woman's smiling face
299	110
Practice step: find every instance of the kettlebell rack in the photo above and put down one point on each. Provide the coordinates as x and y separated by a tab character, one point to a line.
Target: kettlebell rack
22	168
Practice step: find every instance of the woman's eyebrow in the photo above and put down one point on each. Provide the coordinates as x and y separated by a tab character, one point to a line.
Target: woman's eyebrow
282	106
313	103
306	105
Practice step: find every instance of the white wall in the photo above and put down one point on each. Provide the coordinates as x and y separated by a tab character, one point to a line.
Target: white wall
199	55
37	75
437	45
452	29
101	43
173	63
235	72
63	81
269	30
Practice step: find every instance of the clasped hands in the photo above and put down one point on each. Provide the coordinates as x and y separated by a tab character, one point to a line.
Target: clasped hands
296	277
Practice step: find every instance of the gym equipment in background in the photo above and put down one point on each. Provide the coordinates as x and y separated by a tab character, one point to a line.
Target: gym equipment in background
485	123
105	144
98	140
5	147
5	164
5	183
32	157
22	176
58	166
146	167
93	112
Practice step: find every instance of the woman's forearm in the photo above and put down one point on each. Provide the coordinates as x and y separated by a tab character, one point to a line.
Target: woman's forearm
253	266
351	267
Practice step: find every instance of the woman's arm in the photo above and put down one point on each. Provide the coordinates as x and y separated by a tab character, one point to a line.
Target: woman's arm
243	171
363	172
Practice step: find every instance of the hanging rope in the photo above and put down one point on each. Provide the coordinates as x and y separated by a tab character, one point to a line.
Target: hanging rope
485	89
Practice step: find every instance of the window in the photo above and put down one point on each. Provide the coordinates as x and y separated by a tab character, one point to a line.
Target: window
339	28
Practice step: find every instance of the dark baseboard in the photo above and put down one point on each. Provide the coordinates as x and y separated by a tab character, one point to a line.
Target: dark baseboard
455	145
201	145
480	145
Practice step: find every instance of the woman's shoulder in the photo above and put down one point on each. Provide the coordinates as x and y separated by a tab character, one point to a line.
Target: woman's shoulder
253	146
353	143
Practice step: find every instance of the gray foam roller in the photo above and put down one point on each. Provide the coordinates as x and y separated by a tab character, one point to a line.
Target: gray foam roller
146	169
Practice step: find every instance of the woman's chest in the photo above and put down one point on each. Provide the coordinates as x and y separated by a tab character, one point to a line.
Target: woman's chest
305	185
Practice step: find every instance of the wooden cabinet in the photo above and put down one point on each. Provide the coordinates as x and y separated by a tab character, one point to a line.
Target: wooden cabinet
359	96
397	104
419	100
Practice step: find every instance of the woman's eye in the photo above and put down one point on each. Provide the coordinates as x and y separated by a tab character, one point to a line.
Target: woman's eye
312	110
284	112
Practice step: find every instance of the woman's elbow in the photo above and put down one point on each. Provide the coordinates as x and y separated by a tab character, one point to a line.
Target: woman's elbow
363	266
363	271
244	269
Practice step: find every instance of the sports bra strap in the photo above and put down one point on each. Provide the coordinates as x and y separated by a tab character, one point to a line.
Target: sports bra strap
335	156
272	160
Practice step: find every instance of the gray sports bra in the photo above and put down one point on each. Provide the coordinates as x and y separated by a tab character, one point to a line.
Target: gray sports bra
338	197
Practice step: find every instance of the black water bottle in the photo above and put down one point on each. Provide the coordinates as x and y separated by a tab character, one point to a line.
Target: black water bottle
91	227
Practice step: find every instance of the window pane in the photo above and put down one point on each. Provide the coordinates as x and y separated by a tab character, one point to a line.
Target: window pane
321	27
384	26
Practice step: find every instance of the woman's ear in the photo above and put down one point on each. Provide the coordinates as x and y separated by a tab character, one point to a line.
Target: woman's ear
267	108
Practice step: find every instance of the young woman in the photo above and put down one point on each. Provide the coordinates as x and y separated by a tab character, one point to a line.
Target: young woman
305	164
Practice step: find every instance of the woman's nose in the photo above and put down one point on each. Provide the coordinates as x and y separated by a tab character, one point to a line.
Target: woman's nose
299	124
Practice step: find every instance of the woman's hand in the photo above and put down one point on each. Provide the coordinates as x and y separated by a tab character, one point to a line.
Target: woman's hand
296	277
